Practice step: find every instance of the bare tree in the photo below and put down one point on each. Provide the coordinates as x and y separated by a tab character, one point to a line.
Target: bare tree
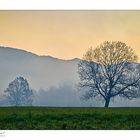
108	71
19	93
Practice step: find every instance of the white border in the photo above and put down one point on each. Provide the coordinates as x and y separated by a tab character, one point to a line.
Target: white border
69	4
70	135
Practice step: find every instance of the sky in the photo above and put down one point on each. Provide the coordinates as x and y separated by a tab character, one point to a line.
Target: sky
68	34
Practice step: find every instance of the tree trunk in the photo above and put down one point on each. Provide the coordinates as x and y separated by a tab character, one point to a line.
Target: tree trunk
107	101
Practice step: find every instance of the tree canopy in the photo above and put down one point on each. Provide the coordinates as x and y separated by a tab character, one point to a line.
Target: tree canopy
19	93
109	71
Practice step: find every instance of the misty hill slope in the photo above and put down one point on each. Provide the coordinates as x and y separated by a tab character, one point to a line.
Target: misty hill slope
40	71
54	79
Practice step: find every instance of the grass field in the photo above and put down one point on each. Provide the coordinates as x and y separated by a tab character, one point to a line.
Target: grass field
41	118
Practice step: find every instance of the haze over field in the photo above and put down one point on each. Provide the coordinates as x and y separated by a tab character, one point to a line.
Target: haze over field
54	80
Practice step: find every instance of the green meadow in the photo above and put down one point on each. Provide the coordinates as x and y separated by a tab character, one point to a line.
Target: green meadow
47	118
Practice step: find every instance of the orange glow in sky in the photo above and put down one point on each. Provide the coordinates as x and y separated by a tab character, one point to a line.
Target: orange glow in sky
68	34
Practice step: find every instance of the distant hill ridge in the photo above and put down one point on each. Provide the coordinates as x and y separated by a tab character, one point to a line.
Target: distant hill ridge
21	51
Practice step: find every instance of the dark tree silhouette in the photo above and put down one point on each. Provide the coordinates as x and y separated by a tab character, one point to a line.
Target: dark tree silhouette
108	71
18	92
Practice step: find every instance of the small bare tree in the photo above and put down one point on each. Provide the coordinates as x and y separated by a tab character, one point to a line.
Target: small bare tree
19	93
108	71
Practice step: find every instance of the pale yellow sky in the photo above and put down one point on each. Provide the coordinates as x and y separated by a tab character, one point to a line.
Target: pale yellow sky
68	34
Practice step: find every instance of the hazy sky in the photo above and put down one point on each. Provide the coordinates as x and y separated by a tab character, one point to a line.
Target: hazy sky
68	34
